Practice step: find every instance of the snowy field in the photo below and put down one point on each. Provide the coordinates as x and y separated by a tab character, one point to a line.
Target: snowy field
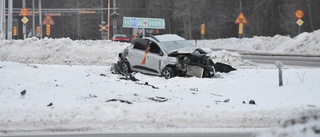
64	85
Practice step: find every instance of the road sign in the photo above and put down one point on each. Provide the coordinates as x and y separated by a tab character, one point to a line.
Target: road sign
152	23
14	31
103	27
24	12
203	27
241	19
48	20
24	20
299	14
299	22
240	29
48	30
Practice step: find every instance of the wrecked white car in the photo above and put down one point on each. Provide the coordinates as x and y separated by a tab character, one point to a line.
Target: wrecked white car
168	56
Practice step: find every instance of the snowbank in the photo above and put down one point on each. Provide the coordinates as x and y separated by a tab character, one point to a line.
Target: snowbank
104	52
79	52
304	125
304	44
61	51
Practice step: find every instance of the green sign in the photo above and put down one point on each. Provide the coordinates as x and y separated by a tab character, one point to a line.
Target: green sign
152	23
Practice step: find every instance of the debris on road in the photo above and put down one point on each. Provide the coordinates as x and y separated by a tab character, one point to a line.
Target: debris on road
122	101
23	92
158	99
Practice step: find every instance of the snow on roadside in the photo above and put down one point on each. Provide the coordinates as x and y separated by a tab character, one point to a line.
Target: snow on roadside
231	58
61	51
303	44
80	52
103	52
306	124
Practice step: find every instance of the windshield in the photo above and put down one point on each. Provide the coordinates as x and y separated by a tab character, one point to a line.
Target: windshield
120	36
170	46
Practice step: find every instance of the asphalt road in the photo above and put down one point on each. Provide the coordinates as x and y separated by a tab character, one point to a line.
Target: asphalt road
143	135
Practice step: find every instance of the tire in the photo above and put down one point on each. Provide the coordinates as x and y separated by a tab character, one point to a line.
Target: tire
168	73
125	66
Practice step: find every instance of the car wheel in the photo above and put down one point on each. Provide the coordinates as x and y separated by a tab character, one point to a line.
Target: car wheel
168	73
125	67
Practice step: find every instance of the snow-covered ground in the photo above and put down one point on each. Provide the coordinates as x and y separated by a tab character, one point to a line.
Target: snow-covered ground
68	87
307	44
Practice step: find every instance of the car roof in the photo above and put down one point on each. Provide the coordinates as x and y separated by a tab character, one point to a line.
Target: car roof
168	37
124	35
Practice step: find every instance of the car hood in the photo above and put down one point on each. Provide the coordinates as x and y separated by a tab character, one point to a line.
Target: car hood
191	50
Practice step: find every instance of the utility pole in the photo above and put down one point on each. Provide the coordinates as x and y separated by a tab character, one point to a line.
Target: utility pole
240	5
114	17
2	19
108	38
310	15
40	19
78	22
33	21
10	5
101	1
24	25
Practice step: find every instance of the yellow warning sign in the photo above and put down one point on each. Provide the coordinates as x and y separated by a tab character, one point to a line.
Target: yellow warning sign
241	19
24	20
48	20
48	30
14	31
241	29
300	22
203	27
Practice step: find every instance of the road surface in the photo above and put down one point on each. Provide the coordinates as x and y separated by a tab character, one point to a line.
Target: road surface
142	135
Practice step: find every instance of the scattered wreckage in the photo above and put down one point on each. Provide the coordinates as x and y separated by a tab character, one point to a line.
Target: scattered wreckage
167	55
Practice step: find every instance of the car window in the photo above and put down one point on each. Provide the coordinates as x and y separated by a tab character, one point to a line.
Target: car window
170	46
140	44
121	36
154	48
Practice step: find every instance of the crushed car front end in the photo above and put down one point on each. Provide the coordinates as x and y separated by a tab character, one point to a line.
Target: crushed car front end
193	62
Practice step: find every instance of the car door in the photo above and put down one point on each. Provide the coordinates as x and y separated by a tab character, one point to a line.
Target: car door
154	58
135	56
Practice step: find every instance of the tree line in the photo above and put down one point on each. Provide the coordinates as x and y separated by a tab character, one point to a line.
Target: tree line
184	17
